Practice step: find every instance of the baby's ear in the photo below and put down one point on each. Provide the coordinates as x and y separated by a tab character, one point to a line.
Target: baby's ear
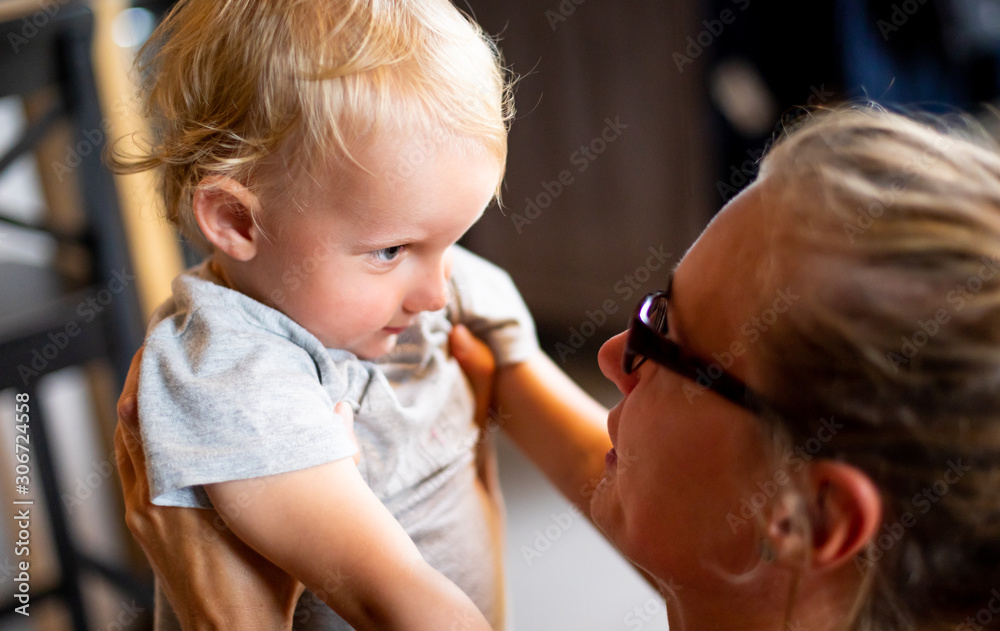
224	210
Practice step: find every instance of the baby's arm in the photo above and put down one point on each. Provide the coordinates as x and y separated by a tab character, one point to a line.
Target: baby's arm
558	425
550	418
212	579
325	527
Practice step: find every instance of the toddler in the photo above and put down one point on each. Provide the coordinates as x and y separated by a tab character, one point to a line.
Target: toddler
329	154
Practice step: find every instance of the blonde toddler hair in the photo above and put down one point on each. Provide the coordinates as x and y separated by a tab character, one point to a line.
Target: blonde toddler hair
264	91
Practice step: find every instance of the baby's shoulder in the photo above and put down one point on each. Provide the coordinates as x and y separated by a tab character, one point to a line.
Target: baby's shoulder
204	321
200	306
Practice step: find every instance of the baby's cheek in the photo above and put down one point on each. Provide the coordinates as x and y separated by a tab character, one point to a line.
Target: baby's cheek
363	318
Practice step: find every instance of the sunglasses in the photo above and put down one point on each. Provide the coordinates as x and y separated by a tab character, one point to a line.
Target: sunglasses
647	339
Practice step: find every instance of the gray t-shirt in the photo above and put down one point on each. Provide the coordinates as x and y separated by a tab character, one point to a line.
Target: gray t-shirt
232	389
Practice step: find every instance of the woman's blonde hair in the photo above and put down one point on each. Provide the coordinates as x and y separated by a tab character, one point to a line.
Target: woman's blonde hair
262	91
893	243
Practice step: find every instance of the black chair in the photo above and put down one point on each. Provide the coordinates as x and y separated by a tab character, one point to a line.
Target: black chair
50	320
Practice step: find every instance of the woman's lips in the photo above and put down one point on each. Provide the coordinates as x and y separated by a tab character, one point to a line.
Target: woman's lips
611	459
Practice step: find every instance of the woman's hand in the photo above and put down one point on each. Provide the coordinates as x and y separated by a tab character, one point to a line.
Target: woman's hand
477	362
212	579
479	365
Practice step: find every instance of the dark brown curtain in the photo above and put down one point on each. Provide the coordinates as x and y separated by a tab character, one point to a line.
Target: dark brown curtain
606	181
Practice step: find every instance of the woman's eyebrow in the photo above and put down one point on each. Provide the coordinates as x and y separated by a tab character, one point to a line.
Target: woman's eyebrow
675	332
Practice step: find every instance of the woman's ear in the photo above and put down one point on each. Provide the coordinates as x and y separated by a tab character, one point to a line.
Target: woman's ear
225	210
846	512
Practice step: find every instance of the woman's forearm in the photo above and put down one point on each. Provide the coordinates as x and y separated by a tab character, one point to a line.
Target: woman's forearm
556	424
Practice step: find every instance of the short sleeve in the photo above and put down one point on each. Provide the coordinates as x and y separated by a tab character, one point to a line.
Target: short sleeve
488	303
220	402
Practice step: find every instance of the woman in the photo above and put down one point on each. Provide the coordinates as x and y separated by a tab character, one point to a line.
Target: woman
809	435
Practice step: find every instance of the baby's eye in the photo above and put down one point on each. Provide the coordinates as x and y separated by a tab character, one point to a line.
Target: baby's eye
384	255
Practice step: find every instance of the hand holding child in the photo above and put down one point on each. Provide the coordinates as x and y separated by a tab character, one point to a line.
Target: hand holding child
479	365
212	579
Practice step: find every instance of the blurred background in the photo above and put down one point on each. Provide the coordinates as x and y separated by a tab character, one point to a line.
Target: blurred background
636	121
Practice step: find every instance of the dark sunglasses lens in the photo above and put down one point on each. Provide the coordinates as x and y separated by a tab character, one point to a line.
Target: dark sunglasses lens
657	315
631	360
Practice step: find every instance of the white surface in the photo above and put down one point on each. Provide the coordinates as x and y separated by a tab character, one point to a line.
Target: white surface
561	573
20	193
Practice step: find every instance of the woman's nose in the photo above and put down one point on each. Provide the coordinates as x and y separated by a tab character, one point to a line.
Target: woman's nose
610	360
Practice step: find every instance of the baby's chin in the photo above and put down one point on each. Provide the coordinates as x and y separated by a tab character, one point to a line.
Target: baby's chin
375	346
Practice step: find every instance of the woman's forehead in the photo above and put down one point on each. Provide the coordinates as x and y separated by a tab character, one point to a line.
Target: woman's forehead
723	276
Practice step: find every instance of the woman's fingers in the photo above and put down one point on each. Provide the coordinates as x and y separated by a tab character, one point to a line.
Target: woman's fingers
212	579
477	361
479	365
128	447
127	440
346	412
